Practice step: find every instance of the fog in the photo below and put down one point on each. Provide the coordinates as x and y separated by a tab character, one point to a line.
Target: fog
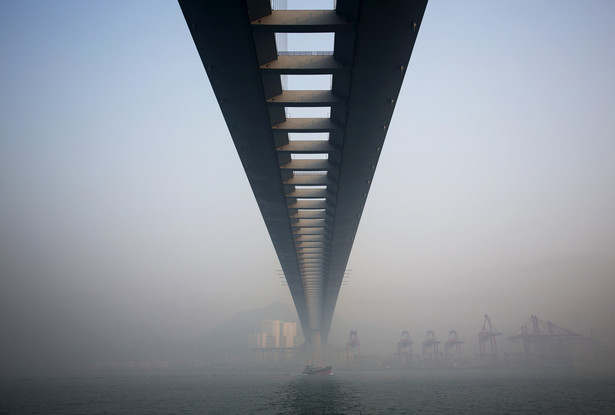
126	216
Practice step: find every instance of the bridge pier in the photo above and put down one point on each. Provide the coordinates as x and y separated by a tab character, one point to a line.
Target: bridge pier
314	347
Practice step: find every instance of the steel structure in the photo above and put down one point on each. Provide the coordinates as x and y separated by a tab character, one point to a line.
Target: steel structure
455	343
430	346
311	204
486	336
353	347
544	341
404	348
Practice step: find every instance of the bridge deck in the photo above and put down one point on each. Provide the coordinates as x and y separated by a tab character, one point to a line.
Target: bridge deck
311	206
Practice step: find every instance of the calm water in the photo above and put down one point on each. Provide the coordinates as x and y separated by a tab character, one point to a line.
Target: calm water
461	392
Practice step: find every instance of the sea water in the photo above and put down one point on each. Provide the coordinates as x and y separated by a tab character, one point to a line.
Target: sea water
360	392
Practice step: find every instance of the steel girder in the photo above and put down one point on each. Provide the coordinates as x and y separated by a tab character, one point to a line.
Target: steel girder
311	206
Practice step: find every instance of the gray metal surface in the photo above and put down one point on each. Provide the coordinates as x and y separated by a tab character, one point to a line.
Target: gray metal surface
312	207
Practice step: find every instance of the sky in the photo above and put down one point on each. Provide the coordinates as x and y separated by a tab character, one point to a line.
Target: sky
125	212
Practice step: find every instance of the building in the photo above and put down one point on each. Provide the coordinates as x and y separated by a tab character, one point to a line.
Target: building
276	344
271	332
276	334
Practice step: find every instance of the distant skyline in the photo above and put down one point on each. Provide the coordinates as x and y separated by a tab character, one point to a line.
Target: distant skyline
125	212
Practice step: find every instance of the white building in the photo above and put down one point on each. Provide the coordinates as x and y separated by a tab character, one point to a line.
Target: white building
276	334
289	334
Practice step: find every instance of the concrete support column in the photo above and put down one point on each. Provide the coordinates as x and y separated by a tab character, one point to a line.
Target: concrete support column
314	347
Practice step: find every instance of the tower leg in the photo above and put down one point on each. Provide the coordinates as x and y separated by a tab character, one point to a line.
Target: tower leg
315	347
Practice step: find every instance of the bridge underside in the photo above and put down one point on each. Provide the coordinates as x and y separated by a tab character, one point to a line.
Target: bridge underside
310	176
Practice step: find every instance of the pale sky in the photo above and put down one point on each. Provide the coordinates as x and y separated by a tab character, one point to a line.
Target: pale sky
124	208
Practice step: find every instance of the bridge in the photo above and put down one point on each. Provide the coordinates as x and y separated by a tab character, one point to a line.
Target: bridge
310	176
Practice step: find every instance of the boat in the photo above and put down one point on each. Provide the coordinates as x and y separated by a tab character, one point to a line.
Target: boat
317	370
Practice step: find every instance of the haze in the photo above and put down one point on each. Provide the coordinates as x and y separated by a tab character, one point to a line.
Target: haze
126	215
